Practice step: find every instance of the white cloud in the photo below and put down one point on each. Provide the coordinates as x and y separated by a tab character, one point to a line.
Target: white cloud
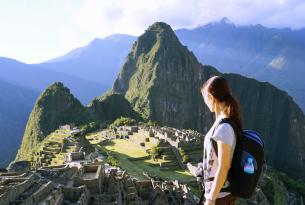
278	62
46	29
70	39
104	17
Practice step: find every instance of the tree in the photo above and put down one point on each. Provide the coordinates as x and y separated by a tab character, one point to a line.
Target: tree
155	152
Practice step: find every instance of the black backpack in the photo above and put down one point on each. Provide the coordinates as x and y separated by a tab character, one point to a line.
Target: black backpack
247	162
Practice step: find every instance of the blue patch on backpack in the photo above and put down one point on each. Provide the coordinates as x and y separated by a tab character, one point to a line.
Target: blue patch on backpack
248	163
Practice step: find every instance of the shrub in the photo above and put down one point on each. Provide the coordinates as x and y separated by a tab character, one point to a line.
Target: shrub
155	152
90	127
123	121
185	158
112	161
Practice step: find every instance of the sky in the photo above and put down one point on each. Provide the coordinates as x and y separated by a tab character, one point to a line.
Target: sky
34	31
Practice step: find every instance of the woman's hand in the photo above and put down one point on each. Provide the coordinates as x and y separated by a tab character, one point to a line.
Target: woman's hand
191	168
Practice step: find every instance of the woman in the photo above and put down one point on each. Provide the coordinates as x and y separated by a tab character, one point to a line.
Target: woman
217	97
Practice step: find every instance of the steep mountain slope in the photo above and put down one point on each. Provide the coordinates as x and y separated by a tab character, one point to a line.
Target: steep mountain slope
97	62
37	78
15	106
111	107
266	54
161	78
54	107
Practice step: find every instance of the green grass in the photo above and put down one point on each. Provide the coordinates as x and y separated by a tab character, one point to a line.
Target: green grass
124	149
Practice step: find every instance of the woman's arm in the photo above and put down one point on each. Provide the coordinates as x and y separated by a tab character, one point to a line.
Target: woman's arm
224	163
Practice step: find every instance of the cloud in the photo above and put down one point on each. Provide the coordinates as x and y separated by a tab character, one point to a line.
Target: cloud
70	39
46	29
104	17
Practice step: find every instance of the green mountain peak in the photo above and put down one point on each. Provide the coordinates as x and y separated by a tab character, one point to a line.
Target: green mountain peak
54	107
157	56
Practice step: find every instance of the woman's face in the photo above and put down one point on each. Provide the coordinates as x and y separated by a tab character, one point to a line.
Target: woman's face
208	99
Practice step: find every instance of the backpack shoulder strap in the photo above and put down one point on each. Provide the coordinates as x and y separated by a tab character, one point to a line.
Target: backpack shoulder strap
224	120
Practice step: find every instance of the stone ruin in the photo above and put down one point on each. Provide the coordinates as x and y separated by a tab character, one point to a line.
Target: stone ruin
126	130
189	140
84	178
61	142
176	137
120	188
172	140
86	183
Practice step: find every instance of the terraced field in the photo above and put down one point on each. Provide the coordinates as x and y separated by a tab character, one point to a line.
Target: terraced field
53	149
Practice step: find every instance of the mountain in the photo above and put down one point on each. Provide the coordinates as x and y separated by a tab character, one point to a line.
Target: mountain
97	62
57	106
15	105
54	107
266	54
20	84
111	107
161	78
37	78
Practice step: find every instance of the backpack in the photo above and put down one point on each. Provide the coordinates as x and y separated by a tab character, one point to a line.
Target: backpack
247	161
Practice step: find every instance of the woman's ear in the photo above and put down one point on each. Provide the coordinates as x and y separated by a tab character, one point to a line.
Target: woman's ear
213	103
211	98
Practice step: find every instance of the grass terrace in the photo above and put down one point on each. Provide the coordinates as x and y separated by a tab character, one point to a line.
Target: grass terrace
133	157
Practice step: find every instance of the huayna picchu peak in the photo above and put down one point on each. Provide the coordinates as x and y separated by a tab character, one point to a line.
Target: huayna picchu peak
131	145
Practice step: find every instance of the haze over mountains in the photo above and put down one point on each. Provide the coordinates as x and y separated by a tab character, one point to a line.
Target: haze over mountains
97	62
16	103
37	78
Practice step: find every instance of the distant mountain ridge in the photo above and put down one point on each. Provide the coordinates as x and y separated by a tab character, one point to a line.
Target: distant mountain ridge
35	77
97	62
266	54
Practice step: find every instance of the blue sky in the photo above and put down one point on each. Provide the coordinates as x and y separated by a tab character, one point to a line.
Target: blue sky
33	31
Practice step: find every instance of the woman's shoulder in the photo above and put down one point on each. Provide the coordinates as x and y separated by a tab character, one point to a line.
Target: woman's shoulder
225	133
226	127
